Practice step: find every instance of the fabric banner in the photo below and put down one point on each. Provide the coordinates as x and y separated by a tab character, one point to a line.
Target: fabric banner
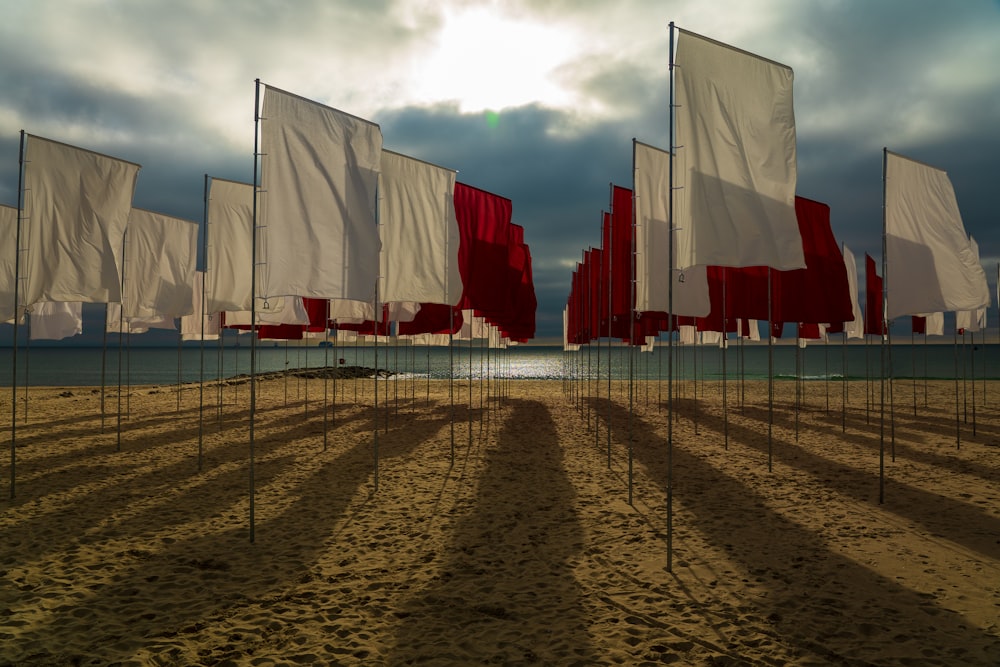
113	322
76	208
484	227
736	172
931	265
288	310
567	346
874	321
652	242
8	260
56	320
933	324
317	231
191	325
819	292
419	232
856	327
229	246
622	270
161	253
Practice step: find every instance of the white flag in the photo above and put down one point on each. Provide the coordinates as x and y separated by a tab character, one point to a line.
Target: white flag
933	324
229	246
317	236
737	168
56	320
855	329
161	253
930	263
8	256
192	327
652	243
76	207
419	231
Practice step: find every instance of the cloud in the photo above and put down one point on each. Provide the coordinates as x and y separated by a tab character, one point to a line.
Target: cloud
171	85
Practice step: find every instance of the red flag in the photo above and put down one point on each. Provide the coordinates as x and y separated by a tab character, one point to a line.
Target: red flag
919	324
622	267
433	318
820	292
483	224
874	322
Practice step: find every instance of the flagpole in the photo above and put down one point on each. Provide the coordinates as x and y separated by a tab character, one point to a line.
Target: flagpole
725	354
253	296
17	295
631	337
882	334
204	307
770	375
670	312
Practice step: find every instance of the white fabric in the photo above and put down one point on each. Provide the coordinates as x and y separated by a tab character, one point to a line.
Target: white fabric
711	338
137	325
229	246
348	311
403	311
287	310
76	207
934	324
161	254
51	320
754	331
191	325
737	168
346	336
687	334
855	329
8	257
931	265
437	340
472	326
419	232
652	242
972	320
318	236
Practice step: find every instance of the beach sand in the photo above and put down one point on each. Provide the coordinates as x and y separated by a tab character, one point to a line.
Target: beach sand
511	541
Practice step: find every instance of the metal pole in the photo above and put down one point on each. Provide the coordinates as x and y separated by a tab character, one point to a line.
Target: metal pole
17	295
253	298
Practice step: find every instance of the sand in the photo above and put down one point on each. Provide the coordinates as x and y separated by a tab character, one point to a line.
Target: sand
521	543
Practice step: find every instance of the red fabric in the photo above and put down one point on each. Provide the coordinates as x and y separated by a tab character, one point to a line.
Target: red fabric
809	330
820	292
622	269
317	310
520	326
574	324
874	323
280	331
433	318
484	231
919	324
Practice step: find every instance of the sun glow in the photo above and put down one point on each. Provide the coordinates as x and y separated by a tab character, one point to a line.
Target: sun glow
483	60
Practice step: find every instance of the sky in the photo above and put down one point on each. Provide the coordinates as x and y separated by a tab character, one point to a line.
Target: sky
534	100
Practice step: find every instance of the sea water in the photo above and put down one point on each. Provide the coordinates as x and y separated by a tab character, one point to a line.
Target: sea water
90	366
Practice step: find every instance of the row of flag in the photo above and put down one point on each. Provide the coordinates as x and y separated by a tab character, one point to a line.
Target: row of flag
714	237
339	233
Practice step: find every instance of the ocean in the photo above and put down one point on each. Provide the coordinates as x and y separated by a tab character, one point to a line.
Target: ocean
90	366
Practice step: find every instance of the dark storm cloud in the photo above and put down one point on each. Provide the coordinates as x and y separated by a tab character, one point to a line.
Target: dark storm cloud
170	86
